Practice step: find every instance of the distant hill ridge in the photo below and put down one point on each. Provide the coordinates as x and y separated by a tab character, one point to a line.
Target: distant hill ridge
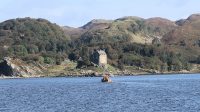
130	28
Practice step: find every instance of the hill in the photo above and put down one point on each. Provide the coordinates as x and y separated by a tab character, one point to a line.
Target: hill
32	39
185	38
133	29
154	43
132	43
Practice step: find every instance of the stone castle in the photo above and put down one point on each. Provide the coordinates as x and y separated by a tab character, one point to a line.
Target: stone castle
100	57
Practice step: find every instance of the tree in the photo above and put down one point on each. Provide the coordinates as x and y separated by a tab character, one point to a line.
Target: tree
20	50
49	60
32	49
120	65
72	56
198	59
41	59
164	67
85	56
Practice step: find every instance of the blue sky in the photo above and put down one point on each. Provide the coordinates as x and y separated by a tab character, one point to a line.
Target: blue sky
78	12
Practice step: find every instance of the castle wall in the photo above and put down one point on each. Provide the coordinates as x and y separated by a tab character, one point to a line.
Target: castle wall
102	59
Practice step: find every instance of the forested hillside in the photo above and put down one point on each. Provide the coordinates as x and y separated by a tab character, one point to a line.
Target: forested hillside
33	40
154	43
130	42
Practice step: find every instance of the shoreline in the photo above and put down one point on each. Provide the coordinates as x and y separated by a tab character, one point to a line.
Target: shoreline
114	75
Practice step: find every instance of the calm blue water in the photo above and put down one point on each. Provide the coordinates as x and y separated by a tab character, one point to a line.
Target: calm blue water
158	93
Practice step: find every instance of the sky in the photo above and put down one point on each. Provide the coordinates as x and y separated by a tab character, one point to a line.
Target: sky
76	13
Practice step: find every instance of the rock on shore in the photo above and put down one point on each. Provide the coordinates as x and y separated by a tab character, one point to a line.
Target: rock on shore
17	68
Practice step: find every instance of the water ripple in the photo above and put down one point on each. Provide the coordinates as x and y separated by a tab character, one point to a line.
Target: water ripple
126	94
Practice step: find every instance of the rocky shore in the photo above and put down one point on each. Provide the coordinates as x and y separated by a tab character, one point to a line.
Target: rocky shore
15	68
11	67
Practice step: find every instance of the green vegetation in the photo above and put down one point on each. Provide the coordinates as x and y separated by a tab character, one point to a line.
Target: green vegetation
33	39
139	55
127	42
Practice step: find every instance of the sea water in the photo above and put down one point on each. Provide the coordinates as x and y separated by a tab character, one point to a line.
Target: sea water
148	93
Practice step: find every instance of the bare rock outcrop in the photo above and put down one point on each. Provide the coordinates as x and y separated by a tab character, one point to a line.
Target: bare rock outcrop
16	67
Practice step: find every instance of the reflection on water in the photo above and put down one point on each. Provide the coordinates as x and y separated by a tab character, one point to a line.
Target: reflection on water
126	94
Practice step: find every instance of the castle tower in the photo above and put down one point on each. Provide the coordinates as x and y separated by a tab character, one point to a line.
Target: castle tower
100	57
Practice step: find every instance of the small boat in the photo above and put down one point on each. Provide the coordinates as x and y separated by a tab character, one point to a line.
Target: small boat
106	78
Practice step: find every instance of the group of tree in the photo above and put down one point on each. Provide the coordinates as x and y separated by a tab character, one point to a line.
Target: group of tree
40	41
33	39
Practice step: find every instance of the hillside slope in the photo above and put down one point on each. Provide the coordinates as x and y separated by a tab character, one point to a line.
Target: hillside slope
133	29
131	43
128	42
30	38
186	37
